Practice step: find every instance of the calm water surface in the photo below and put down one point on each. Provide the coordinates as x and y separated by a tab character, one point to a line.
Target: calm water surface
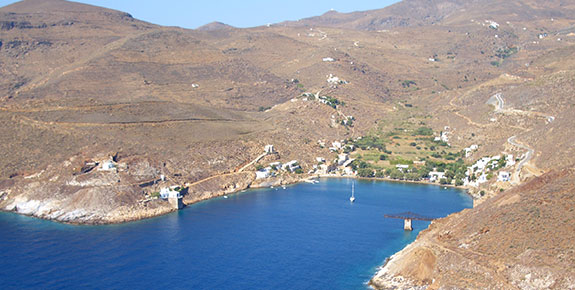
308	236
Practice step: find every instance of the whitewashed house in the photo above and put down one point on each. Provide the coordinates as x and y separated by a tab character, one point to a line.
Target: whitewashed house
333	80
436	176
402	167
291	166
169	192
276	165
269	149
509	160
320	159
336	144
108	165
263	173
323	169
348	171
503	176
342	158
481	164
482	178
492	24
328	59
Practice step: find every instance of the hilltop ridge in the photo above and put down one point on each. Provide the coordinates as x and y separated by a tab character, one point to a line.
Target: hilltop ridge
413	13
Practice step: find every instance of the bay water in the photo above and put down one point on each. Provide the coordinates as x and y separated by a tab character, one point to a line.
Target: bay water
306	236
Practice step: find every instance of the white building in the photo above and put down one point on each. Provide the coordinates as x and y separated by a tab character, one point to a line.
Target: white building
331	79
269	149
402	167
108	165
482	178
320	159
276	165
503	176
436	176
342	158
492	24
481	164
263	173
291	166
323	169
336	144
444	136
328	59
509	160
169	192
348	171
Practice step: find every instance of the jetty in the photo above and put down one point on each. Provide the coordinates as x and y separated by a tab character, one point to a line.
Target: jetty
407	217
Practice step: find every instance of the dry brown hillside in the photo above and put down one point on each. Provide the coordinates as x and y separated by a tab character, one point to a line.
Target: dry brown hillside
521	239
80	85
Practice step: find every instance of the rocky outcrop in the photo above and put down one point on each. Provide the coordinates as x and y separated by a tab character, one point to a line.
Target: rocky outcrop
64	193
218	186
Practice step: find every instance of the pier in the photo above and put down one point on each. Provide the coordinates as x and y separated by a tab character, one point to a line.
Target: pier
407	217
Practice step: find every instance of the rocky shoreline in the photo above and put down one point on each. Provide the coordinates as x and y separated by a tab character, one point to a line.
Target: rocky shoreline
500	244
99	200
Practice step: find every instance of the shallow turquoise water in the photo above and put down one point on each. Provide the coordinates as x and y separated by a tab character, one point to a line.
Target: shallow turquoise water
308	236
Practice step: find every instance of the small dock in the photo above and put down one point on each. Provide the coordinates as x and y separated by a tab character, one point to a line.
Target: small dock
407	217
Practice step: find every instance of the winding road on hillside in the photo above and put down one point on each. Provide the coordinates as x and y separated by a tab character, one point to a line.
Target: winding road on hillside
499	103
253	162
527	158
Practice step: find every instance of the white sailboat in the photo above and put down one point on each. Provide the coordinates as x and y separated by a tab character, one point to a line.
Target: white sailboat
352	198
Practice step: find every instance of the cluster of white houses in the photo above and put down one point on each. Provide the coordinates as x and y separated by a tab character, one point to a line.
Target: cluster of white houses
482	167
275	167
333	80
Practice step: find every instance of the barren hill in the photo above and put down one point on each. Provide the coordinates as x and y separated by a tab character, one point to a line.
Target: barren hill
410	13
213	26
82	84
522	239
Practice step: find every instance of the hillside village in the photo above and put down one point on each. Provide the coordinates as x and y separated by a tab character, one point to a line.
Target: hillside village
459	169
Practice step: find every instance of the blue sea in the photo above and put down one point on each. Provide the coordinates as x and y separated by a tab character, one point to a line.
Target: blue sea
307	236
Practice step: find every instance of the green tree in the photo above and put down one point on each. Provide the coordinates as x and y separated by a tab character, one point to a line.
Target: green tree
396	174
365	172
424	131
